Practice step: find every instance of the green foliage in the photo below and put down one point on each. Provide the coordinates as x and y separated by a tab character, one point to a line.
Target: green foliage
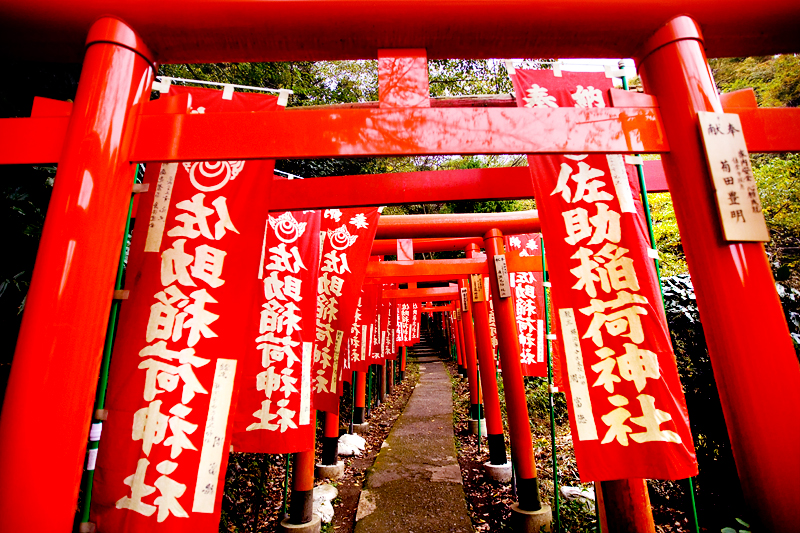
668	239
538	398
775	79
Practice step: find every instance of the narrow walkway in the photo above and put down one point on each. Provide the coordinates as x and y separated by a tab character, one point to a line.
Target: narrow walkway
415	484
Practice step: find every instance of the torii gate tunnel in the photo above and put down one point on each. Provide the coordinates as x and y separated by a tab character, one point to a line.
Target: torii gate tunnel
111	126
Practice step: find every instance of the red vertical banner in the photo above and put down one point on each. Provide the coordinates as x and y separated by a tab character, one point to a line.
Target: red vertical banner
407	333
347	241
390	348
627	410
527	289
378	326
192	273
362	331
275	413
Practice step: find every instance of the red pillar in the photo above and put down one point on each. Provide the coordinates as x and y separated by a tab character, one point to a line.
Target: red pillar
301	503
625	506
491	398
51	389
519	426
462	359
330	439
360	398
751	352
471	357
403	363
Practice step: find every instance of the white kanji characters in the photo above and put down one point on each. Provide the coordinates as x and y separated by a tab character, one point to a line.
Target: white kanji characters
605	368
170	490
588	97
327	308
539	97
138	491
276	349
285	261
587	189
606	224
268	381
615	420
163	313
333	214
618	323
325	333
651	420
178	441
149	426
208	265
175	264
332	263
320	382
322	355
185	356
287	382
328	286
273	287
638	365
265	418
617	270
166	376
279	318
194	220
359	221
292	287
585	271
200	317
514	242
286	416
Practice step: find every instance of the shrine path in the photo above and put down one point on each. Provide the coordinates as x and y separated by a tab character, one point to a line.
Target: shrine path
415	484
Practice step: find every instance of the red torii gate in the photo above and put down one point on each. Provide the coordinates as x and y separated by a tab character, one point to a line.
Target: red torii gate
111	126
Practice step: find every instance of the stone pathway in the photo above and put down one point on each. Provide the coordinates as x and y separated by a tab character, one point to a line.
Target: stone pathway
415	483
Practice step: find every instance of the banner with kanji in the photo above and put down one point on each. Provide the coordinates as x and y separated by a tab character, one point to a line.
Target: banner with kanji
527	291
390	344
407	332
275	413
626	405
192	274
347	241
363	328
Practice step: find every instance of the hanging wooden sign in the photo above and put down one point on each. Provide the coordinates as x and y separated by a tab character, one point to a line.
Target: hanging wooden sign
738	201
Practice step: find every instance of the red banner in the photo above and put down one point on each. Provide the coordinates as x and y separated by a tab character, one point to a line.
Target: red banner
192	272
627	409
407	333
527	290
348	236
363	329
275	413
390	345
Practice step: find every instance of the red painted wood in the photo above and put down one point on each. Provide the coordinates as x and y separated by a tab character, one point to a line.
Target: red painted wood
51	390
387	132
751	352
312	30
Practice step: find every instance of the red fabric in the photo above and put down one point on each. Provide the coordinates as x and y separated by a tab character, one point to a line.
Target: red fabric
363	329
627	409
275	413
528	294
346	247
178	353
407	322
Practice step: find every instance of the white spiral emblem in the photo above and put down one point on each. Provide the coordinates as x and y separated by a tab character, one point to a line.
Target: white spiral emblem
286	227
340	238
208	176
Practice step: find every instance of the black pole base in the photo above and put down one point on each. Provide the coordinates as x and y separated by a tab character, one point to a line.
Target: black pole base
330	450
358	415
497	449
301	506
476	411
528	494
462	371
402	375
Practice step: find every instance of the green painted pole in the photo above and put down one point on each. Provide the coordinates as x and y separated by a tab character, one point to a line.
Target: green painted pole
646	206
102	384
554	448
